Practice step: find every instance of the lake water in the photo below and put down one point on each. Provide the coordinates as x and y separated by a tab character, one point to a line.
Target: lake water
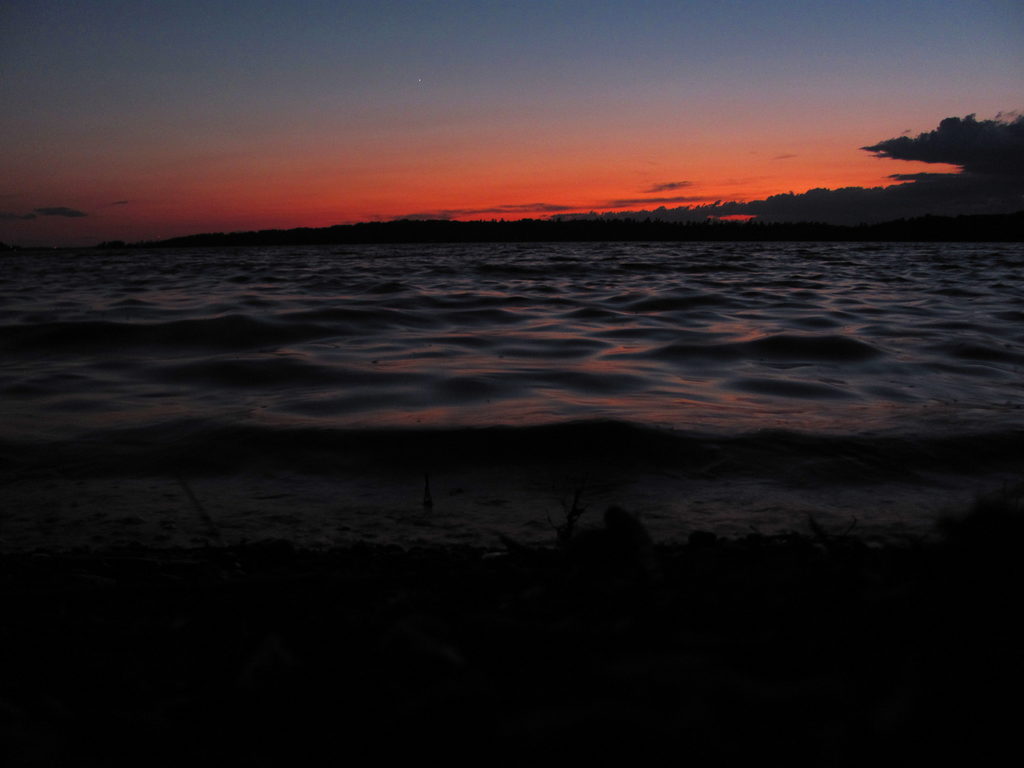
174	396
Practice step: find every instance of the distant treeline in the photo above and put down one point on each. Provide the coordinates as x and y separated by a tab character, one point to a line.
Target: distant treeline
977	228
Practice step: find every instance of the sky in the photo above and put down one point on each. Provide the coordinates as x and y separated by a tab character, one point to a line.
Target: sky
147	119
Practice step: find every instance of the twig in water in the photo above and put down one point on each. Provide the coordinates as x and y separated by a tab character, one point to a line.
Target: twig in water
573	512
816	529
428	500
211	526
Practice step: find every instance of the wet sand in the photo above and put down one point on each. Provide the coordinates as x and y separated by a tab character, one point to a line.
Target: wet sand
819	649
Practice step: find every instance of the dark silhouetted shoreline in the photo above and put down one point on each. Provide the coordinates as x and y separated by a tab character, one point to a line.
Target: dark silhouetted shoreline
978	228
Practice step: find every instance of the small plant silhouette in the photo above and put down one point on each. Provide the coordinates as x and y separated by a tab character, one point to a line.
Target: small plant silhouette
572	511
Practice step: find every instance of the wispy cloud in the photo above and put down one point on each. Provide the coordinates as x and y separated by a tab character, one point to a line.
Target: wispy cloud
667	186
651	200
57	210
60	210
513	209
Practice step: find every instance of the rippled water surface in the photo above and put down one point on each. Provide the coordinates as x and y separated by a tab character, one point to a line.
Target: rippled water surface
153	348
726	336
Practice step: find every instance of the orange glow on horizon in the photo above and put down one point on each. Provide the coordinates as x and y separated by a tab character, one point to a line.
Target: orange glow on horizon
247	190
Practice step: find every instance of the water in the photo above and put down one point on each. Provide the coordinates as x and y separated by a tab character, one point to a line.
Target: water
305	392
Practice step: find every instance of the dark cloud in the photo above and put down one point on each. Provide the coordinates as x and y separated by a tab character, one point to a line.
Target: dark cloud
650	200
938	194
784	157
990	154
667	186
513	209
60	211
944	194
4	216
544	207
919	176
119	202
988	147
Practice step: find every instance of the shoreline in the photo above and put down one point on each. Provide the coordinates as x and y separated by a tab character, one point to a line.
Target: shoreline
59	511
818	648
327	489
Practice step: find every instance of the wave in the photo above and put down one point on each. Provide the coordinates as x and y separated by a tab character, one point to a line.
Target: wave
816	338
830	348
230	332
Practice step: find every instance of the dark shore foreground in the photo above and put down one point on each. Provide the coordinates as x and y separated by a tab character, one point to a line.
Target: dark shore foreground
813	648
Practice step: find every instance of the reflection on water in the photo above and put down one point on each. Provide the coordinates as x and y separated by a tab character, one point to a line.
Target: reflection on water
819	337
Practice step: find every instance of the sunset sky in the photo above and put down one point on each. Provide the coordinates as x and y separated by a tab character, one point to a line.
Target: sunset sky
138	120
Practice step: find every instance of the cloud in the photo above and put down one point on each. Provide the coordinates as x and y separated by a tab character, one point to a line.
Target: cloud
517	208
119	202
918	176
989	147
667	186
990	179
989	153
60	211
648	200
784	157
545	207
